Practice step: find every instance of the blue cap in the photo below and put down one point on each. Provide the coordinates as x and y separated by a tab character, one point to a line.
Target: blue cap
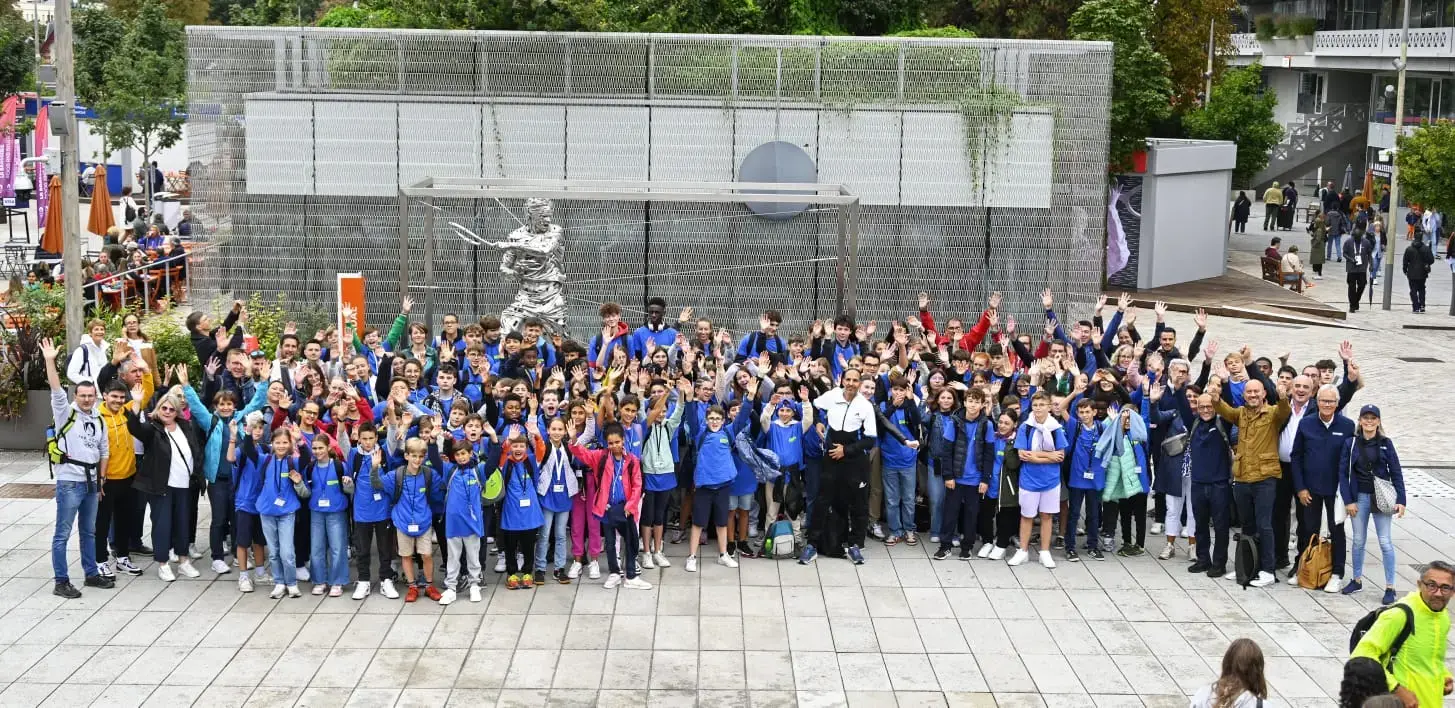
1369	409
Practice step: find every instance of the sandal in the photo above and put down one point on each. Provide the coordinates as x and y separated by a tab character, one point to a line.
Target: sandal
891	540
911	539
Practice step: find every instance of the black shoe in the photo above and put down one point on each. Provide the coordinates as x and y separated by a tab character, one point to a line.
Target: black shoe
100	581
142	548
67	590
1096	554
1199	567
1216	572
540	577
1072	556
942	553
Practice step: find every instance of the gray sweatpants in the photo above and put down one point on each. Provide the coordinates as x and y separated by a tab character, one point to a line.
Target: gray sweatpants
469	547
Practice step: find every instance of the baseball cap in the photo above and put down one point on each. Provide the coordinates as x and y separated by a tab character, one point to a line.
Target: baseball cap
1369	409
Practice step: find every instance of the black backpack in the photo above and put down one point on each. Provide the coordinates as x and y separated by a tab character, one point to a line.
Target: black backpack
831	537
1366	623
1245	560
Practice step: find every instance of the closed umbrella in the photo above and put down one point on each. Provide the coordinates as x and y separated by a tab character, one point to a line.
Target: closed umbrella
102	217
1348	177
1369	185
51	240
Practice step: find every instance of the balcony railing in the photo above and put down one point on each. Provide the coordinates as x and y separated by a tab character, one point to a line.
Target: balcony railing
1438	42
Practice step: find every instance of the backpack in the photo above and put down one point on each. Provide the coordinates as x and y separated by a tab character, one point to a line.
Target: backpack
55	455
494	488
778	541
1366	622
399	481
831	537
1245	560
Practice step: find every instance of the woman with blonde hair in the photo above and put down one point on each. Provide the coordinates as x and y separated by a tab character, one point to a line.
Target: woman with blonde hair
1371	483
1241	684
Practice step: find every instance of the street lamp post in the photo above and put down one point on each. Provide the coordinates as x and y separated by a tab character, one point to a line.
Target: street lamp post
1389	229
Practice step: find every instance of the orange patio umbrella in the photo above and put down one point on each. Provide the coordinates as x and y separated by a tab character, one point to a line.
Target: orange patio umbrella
102	217
51	240
1369	186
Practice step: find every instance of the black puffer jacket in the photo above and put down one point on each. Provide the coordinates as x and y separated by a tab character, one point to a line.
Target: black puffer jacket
157	451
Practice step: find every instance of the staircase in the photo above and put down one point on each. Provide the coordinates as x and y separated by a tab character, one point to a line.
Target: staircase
1315	135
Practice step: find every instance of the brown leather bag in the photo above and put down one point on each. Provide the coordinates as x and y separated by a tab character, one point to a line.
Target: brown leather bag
1316	564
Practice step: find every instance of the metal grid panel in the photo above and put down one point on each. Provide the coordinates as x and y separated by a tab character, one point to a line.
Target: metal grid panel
493	104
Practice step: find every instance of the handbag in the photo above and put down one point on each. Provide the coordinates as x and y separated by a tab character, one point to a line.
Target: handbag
1384	495
1316	564
1174	445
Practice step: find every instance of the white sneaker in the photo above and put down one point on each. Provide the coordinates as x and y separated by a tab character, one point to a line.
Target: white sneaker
935	539
612	581
1046	561
164	571
1264	578
985	550
1156	529
1292	578
637	584
105	569
644	560
447	596
386	588
194	552
125	565
997	553
262	575
500	563
593	570
320	589
303	575
1336	583
660	559
726	559
361	590
575	570
294	592
187	569
691	565
221	567
278	592
474	593
1020	557
244	583
171	556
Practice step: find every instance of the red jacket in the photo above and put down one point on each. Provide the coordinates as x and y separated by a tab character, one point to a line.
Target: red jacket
968	341
631	473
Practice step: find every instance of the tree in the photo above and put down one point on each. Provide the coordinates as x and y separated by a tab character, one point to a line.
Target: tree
1426	161
187	12
17	52
1179	32
1141	91
1241	112
1016	19
144	85
98	32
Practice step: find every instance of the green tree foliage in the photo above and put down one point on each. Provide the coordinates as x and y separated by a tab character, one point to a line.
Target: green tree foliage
187	12
1141	92
17	52
1426	161
99	33
1242	112
1179	32
273	12
1017	19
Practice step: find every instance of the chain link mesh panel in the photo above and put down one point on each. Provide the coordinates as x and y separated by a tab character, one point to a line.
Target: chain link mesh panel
980	164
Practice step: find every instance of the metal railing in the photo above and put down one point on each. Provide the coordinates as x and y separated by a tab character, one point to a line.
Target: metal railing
1316	129
114	285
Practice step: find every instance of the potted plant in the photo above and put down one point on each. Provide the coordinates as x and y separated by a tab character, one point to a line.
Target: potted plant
27	316
1286	36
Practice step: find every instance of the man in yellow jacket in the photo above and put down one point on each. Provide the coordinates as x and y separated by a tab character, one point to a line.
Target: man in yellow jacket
118	505
1272	201
1417	674
1256	471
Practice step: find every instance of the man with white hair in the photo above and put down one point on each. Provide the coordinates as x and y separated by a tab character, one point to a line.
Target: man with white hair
1315	464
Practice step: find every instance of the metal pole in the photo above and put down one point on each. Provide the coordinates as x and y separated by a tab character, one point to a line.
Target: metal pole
403	245
429	268
69	209
851	297
1390	238
1207	77
842	261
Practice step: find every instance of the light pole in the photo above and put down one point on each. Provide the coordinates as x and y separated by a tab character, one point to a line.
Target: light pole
63	122
1389	237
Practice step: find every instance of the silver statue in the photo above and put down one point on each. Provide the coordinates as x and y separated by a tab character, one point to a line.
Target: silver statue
533	254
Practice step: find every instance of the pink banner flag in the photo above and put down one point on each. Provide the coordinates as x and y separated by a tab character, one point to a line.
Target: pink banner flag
9	149
42	187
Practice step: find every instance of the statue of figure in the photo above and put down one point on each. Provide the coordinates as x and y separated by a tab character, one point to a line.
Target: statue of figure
533	254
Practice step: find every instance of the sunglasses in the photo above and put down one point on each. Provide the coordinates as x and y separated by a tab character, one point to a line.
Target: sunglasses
166	409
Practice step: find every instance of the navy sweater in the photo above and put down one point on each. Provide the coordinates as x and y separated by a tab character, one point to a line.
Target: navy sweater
1315	454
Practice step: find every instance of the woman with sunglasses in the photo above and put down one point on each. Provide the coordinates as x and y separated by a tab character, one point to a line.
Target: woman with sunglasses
171	456
1368	460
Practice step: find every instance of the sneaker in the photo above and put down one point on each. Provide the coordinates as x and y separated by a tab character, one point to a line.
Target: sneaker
412	593
65	589
262	575
1108	544
876	531
1216	573
680	536
637	584
164	571
433	593
1096	554
1046	561
294	592
188	570
911	539
1156	529
1199	567
171	556
561	577
302	574
934	538
361	590
997	553
124	564
194	552
1020	557
1334	584
726	560
386	588
526	581
1264	578
245	582
335	590
320	589
1352	587
856	555
660	559
955	542
278	592
575	570
221	567
1167	552
100	581
612	581
141	549
1389	597
474	593
644	560
447	597
1058	542
539	577
691	564
808	555
1292	579
500	564
1134	550
593	570
943	552
985	550
512	582
746	551
1071	556
105	570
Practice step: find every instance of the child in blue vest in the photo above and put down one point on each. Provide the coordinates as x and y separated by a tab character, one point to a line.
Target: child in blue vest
1002	503
900	460
371	511
968	477
1085	480
743	488
941	418
785	438
464	517
557	485
412	488
277	503
328	487
244	452
714	475
659	469
520	513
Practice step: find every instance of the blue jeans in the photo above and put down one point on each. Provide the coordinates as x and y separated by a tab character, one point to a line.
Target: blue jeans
1255	510
278	531
1091	499
1381	529
169	523
74	501
555	524
329	547
219	493
1333	248
812	469
935	494
899	499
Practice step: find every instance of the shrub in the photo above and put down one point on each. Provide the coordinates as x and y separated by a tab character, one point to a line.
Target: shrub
1265	27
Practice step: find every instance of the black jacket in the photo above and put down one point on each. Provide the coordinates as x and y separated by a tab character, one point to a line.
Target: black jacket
1417	260
981	452
206	343
156	458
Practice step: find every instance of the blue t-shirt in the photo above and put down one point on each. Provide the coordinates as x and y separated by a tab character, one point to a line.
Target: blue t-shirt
618	490
1086	471
1039	476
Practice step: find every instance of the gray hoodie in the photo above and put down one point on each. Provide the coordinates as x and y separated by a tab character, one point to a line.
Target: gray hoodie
84	442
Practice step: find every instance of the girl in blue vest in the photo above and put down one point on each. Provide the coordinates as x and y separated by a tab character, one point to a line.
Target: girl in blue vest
465	477
1002	502
520	512
277	503
940	422
245	452
784	431
659	470
556	485
371	511
328	488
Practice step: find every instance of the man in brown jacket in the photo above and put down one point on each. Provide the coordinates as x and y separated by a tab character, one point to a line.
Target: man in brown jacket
1255	463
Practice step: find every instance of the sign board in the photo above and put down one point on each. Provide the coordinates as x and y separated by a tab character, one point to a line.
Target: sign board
1288	62
350	293
1382	170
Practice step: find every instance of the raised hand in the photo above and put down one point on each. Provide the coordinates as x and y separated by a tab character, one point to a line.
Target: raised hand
1047	298
1346	350
924	301
221	338
1050	329
995	299
290	328
48	349
1201	319
1009	325
1161	309
993	318
1100	303
181	373
1124	301
686	314
406	305
873	325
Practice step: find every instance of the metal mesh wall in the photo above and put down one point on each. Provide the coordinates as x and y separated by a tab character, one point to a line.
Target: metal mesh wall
980	163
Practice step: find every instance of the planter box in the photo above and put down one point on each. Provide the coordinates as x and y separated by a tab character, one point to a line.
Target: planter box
28	433
1284	46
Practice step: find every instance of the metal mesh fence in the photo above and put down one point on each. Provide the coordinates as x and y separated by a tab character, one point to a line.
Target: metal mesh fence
980	164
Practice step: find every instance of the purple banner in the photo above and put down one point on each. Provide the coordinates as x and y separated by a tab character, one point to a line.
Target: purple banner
9	164
42	196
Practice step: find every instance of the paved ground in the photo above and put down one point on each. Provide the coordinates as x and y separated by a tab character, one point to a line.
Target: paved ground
898	630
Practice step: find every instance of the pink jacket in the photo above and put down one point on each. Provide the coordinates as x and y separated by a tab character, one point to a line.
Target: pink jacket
631	472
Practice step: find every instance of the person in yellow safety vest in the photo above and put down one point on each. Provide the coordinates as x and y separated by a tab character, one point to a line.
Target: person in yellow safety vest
1417	673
